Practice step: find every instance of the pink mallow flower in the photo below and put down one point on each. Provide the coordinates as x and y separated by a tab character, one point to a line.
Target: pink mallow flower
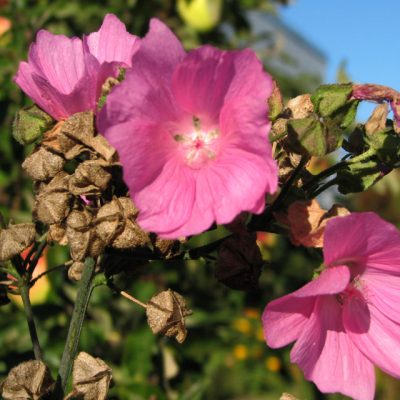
348	319
65	75
191	131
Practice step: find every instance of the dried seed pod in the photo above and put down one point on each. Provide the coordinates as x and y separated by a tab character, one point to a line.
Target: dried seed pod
30	380
167	248
301	106
79	128
57	234
78	233
89	178
109	221
239	262
82	237
91	378
166	314
132	235
75	270
43	165
53	200
15	239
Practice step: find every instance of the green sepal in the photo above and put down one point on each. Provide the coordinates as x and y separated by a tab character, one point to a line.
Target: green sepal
359	176
30	123
386	145
327	99
312	136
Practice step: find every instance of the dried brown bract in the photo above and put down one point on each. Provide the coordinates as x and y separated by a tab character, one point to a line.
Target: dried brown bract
30	380
377	121
91	378
166	313
307	221
301	106
15	239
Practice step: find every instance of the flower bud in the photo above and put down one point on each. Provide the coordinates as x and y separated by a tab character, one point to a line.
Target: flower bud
30	123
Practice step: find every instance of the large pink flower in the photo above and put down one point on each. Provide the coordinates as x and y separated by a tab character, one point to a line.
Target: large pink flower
348	319
64	75
192	134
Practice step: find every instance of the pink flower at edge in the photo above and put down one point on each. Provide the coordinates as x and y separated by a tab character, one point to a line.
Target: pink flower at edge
348	319
65	75
191	131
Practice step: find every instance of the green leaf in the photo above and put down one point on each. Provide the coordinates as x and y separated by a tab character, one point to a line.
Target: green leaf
329	98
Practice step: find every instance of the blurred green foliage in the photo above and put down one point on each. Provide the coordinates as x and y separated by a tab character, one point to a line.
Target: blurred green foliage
224	356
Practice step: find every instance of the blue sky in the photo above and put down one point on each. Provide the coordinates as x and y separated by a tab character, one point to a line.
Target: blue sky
364	32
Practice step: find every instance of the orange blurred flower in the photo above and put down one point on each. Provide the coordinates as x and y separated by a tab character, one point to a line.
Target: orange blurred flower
5	25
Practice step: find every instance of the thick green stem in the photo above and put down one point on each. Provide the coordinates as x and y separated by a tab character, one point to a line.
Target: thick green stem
75	328
24	290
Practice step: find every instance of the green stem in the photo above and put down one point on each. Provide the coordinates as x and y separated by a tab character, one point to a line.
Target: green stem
75	327
322	175
24	291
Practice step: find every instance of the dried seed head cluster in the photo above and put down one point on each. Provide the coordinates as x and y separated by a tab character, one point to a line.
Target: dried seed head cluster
80	194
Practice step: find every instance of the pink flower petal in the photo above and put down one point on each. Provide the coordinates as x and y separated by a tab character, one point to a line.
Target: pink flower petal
284	319
376	336
159	53
112	42
332	280
166	212
329	358
59	58
202	80
233	173
383	291
364	238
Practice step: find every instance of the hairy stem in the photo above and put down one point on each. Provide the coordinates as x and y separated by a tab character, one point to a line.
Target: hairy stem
24	291
75	327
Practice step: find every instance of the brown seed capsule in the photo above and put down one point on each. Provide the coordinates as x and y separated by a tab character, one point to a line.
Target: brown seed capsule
15	239
57	234
166	314
53	200
30	380
82	238
43	165
91	378
239	262
167	248
75	270
89	178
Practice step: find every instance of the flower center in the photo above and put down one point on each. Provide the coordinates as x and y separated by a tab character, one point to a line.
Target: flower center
354	289
199	146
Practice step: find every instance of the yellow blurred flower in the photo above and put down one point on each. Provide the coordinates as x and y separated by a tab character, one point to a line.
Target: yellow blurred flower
242	325
260	334
240	352
273	364
253	313
201	15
